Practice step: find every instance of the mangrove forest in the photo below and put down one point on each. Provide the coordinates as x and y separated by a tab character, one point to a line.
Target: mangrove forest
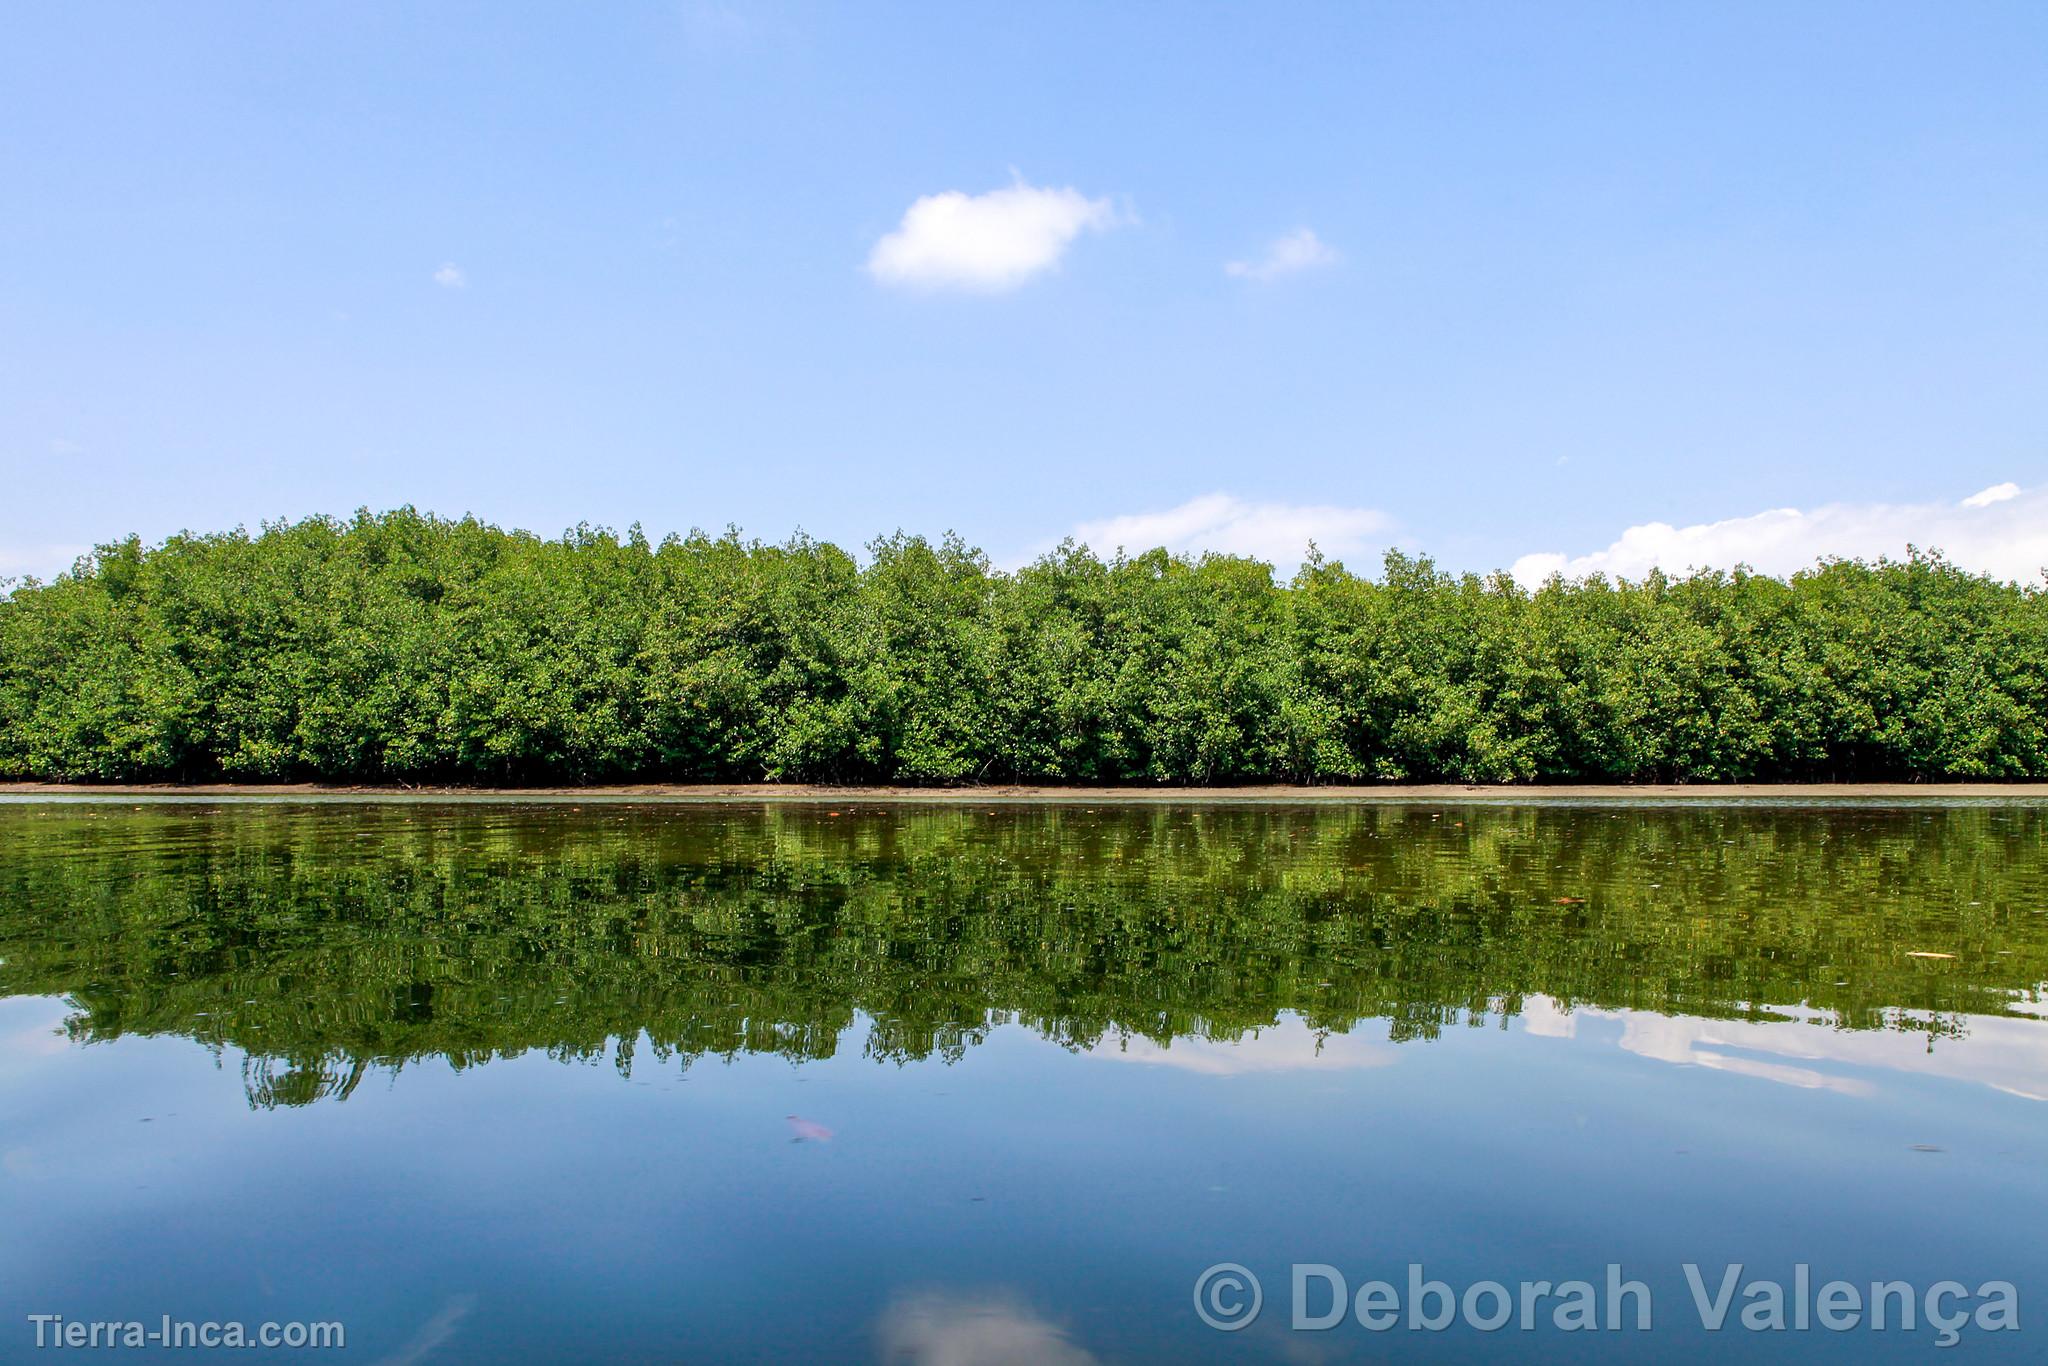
403	647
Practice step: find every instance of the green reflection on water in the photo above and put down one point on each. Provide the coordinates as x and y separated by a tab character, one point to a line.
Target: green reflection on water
328	941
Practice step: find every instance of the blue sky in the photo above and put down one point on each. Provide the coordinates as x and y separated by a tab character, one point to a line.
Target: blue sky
1510	280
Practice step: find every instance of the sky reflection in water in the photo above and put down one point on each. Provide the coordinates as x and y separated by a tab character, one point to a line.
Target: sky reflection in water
513	1083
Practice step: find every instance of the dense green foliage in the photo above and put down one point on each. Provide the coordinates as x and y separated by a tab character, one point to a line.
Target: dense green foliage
401	647
324	941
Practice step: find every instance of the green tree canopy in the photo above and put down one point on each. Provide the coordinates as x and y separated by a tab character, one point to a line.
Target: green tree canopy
401	647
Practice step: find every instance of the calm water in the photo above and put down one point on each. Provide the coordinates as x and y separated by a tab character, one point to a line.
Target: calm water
506	1082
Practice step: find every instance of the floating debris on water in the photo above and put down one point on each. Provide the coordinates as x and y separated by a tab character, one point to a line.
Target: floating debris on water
803	1130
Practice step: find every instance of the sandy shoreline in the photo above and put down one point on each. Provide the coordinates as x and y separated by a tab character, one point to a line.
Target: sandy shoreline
1273	794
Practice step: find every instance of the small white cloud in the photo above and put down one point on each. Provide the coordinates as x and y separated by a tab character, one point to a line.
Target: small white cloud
988	242
1547	1018
2002	531
950	1328
1997	493
1288	1045
1297	251
451	276
1277	533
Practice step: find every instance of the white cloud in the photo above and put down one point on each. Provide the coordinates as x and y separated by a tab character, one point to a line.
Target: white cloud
451	276
989	242
2001	531
950	1328
1278	533
1298	250
1288	1045
2007	1055
1997	493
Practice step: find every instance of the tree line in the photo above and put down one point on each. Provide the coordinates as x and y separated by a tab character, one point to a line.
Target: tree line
403	647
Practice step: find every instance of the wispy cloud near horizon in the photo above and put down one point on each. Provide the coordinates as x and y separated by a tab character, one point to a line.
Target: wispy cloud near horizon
2002	531
1278	533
